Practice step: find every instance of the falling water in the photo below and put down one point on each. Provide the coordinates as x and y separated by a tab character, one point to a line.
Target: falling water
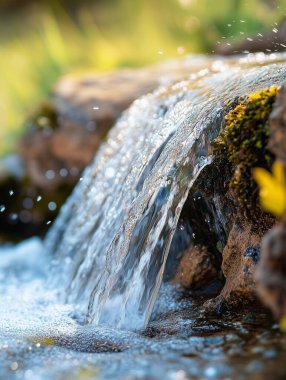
112	238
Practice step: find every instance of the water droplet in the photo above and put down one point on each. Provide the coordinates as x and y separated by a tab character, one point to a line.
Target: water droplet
2	208
39	198
64	172
52	206
50	174
110	172
28	374
13	216
211	372
14	366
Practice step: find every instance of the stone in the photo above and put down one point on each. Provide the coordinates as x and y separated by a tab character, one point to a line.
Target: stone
196	269
271	270
226	241
65	131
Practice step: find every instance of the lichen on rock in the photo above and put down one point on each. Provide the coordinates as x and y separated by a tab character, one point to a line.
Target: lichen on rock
244	141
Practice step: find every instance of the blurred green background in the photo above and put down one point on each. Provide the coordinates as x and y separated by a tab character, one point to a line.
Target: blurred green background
42	40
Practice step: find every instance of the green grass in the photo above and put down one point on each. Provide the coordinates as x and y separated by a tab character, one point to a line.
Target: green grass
38	44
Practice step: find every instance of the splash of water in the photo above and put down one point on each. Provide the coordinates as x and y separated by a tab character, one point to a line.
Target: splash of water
112	238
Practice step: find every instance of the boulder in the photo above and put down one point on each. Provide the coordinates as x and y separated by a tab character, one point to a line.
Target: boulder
64	132
226	241
196	269
271	271
223	210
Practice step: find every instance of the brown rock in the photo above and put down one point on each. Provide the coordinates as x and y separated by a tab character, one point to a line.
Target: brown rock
240	256
226	241
196	269
239	260
66	131
271	271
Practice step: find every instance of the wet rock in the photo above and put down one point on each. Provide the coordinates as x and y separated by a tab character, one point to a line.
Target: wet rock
240	256
271	271
226	241
226	214
64	133
196	269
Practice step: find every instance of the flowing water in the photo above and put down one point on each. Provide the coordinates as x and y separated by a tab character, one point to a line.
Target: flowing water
112	238
109	248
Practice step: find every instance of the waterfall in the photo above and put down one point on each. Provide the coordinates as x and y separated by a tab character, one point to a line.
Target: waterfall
111	240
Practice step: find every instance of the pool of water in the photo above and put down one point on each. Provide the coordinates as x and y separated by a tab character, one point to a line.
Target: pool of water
41	339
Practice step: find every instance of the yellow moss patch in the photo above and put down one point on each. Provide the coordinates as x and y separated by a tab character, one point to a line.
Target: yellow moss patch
243	142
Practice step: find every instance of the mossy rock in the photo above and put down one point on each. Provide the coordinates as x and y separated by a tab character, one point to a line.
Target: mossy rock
244	141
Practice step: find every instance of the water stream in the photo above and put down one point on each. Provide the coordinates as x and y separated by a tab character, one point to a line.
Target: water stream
112	238
90	314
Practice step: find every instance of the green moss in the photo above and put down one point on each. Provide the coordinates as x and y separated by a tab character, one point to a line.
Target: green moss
244	140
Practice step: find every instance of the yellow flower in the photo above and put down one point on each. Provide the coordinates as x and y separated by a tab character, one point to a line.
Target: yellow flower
272	188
